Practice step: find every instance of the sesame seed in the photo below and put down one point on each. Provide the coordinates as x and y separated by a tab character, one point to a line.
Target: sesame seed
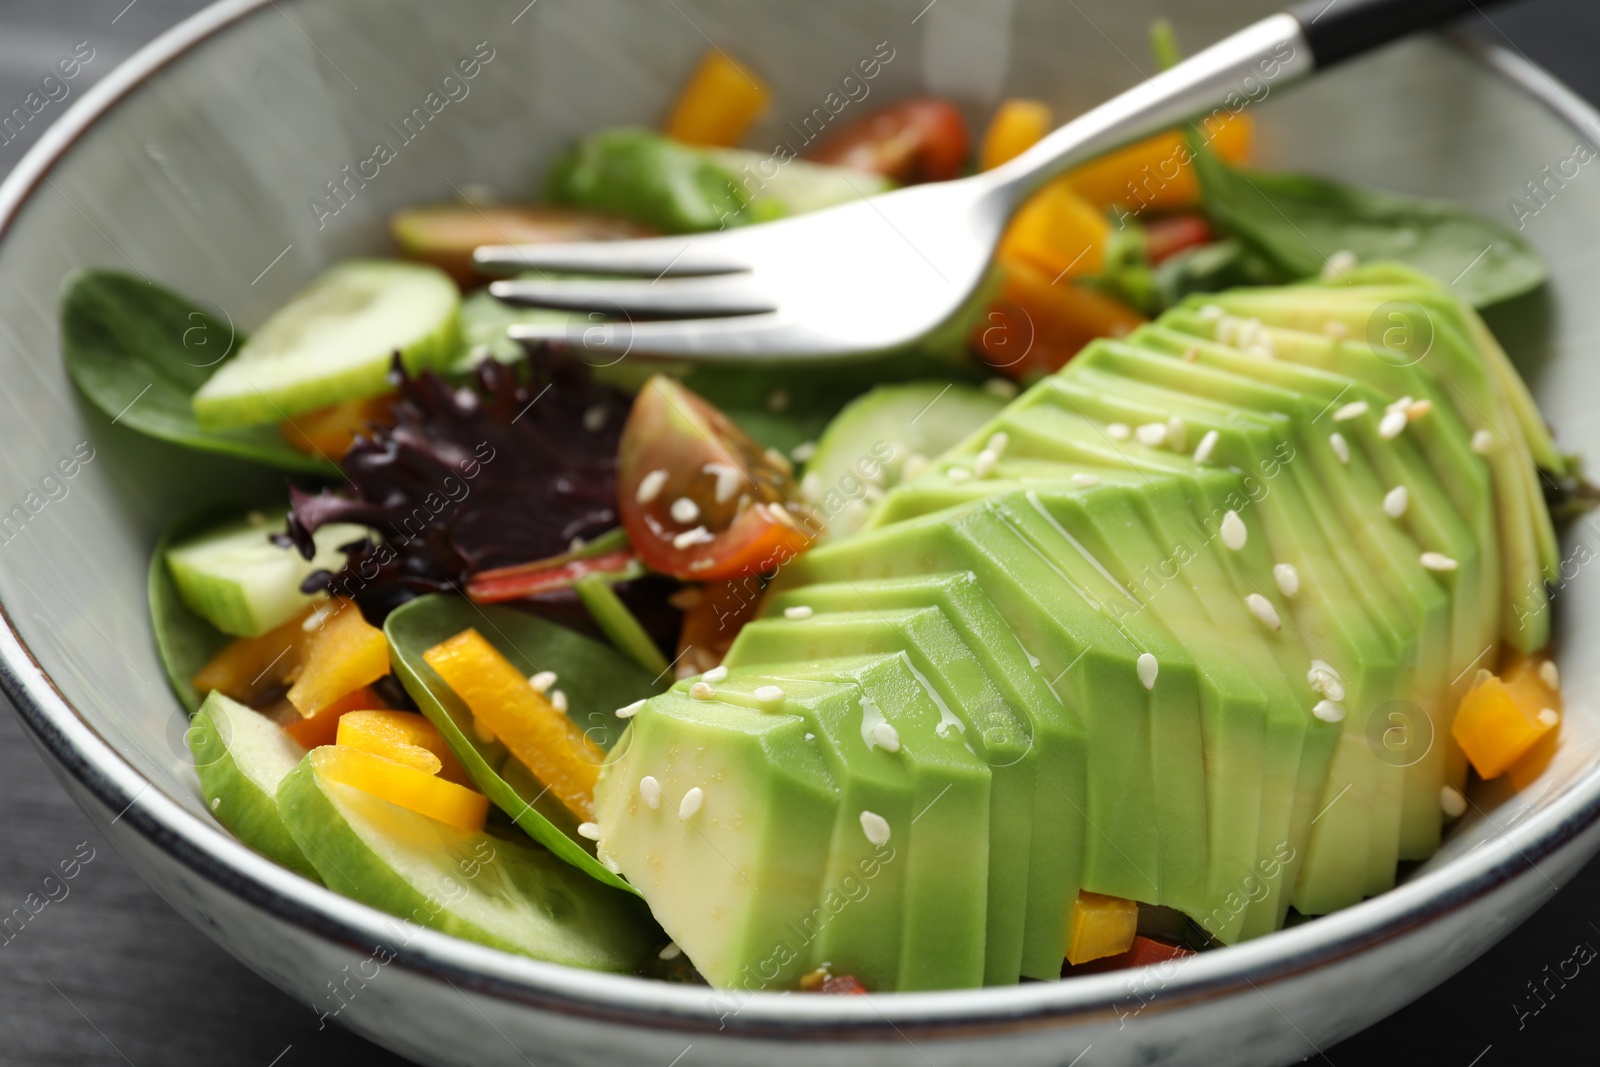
1191	354
1234	533
983	463
1550	675
1437	561
1085	480
591	830
558	700
802	452
1400	404
1177	433
702	691
1151	434
1288	578
631	710
1147	668
610	864
768	694
1118	431
691	803
1353	410
1452	802
1262	609
728	479
594	418
1262	349
1338	265
1341	448
876	827
1391	424
1548	717
1335	329
671	952
1483	442
998	442
810	736
697	536
1004	388
650	486
316	619
779	460
543	680
887	737
1328	710
799	611
650	792
1325	680
1395	501
1211	313
915	466
684	510
958	474
216	802
1207	445
1418	409
714	675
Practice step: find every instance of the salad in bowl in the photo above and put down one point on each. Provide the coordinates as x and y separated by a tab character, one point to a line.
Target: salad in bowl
1181	597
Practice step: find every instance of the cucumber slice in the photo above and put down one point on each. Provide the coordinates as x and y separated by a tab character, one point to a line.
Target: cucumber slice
797	185
242	583
867	444
472	885
335	341
241	757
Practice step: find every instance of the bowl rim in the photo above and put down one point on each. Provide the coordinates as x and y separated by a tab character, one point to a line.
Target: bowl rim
207	850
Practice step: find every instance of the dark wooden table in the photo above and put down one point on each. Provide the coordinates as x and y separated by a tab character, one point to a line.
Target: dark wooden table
109	975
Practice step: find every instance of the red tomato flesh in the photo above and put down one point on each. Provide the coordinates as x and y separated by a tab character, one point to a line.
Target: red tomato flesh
921	140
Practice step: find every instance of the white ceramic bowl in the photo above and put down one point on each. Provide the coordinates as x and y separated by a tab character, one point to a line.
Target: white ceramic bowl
199	163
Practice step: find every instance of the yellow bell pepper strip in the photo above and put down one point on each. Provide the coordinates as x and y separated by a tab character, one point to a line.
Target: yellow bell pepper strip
550	745
1100	926
1017	126
402	736
323	727
719	103
329	432
250	668
1498	723
1059	232
343	652
1158	174
1035	326
452	804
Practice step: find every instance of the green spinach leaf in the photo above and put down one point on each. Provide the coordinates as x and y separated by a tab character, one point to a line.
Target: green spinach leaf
139	352
1296	222
596	679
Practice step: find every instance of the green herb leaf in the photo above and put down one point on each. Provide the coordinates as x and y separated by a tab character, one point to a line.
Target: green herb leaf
1296	222
139	352
596	679
643	176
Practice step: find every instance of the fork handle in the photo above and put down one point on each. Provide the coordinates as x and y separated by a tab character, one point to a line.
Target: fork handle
1336	30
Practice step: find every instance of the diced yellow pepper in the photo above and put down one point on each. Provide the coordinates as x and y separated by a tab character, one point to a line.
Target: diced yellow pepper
402	736
344	652
406	786
323	727
1059	232
1100	926
719	103
248	669
549	744
1498	723
1017	126
1158	174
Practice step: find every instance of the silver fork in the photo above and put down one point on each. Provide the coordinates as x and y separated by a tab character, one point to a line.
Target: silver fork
890	271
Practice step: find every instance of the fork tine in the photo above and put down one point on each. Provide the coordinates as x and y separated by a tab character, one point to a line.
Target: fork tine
721	294
735	336
651	256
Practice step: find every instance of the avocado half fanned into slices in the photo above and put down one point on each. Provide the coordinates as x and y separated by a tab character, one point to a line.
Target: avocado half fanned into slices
1142	634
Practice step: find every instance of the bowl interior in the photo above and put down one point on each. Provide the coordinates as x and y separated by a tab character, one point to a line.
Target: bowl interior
241	168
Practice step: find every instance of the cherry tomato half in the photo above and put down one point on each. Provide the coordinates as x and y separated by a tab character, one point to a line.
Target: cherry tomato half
700	500
921	140
446	234
530	579
1166	237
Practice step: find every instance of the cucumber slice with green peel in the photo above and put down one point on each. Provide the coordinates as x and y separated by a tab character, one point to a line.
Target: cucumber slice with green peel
241	757
244	584
335	341
871	440
796	185
475	886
